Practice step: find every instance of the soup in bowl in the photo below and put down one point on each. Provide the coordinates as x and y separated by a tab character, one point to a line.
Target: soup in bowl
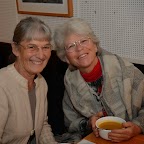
108	123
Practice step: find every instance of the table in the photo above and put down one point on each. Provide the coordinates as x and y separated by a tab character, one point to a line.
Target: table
139	139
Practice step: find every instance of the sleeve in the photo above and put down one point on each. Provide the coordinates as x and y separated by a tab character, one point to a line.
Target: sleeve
74	121
138	98
3	111
46	136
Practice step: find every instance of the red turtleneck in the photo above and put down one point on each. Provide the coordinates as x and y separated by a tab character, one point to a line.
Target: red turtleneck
94	74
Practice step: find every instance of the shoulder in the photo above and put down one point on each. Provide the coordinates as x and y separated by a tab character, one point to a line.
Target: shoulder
40	80
5	75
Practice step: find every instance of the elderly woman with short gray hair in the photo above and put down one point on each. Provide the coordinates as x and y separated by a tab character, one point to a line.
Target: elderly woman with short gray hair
98	83
23	90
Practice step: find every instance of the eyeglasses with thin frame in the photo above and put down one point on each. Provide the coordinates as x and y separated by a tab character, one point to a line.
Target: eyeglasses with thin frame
32	48
84	42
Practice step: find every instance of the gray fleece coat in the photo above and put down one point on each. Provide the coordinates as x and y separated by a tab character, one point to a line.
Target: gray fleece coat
122	93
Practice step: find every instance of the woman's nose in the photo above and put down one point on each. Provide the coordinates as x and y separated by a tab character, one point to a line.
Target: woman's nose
78	46
40	53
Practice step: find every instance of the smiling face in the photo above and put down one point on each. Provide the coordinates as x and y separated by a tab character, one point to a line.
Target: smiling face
32	57
82	57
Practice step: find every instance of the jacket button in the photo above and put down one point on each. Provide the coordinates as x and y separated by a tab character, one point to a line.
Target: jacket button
32	132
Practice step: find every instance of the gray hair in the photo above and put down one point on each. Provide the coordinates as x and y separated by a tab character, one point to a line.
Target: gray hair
31	28
73	26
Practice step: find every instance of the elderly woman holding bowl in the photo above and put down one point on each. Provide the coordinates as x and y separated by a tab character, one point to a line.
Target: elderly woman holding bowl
98	83
23	90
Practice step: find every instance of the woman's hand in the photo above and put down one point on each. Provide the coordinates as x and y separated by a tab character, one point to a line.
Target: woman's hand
130	130
92	121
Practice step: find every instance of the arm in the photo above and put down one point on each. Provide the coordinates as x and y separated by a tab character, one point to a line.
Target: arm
3	112
46	135
138	99
74	121
136	125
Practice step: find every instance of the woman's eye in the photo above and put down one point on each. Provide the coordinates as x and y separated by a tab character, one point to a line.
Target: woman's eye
84	41
31	47
47	47
71	46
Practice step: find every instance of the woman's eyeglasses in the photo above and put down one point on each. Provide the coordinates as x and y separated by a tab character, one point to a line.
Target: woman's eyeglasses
84	42
32	48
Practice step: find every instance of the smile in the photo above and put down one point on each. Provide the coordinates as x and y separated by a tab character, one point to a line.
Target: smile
37	62
82	56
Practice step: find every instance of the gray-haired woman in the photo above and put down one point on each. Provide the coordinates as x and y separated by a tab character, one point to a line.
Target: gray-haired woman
98	83
23	91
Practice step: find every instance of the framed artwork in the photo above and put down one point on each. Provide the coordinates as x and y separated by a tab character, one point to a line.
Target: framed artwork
62	8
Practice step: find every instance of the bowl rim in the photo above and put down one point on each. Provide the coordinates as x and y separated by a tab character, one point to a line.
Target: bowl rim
108	117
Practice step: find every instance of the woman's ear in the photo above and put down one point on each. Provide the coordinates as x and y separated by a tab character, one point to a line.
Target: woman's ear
96	49
71	67
66	60
15	49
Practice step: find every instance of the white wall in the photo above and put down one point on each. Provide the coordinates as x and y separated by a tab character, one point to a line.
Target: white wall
119	24
8	19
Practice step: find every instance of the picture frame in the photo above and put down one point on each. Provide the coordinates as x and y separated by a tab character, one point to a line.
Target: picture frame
64	9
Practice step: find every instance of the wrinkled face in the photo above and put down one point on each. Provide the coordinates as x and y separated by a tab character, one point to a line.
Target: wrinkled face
32	57
81	52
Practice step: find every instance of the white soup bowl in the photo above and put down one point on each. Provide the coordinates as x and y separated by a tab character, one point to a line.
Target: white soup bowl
109	119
